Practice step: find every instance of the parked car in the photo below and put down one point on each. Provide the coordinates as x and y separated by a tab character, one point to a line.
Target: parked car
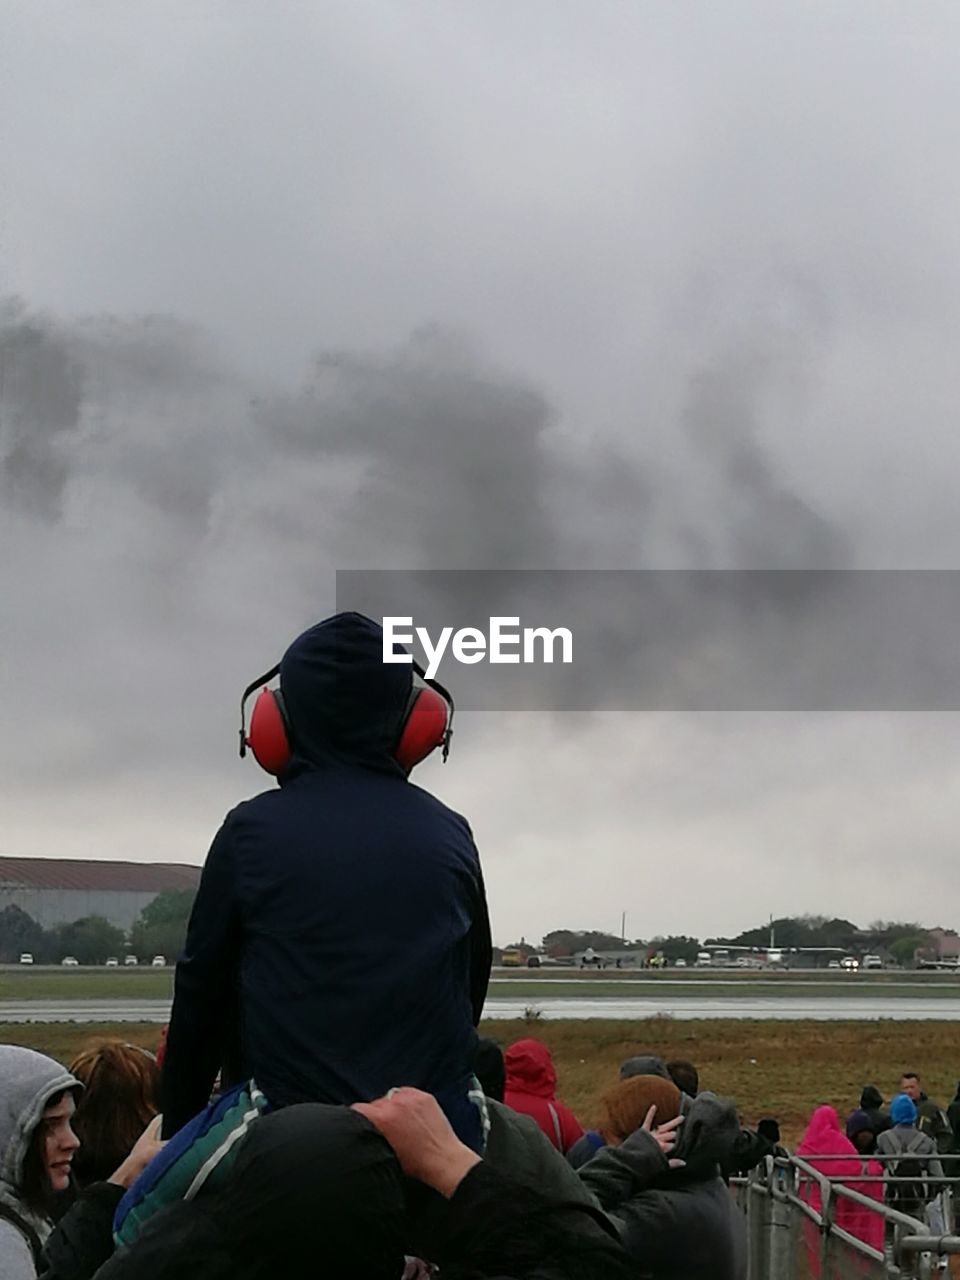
159	962
26	957
112	962
130	960
833	964
70	962
850	963
680	964
872	962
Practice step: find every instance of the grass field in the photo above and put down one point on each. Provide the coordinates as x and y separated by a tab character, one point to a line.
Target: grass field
772	1068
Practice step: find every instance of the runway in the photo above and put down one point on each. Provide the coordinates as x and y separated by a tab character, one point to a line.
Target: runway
858	1007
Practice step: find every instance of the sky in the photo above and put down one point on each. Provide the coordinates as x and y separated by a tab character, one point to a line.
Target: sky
291	289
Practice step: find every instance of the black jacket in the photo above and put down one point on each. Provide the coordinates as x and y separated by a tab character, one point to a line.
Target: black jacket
677	1224
871	1101
339	943
83	1239
953	1115
317	1191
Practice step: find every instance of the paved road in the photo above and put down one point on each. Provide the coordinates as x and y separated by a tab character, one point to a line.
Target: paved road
820	1008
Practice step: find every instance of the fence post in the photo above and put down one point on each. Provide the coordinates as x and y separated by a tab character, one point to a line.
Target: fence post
757	1204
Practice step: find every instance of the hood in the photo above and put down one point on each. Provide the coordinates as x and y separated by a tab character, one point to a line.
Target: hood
643	1065
488	1067
902	1109
530	1068
858	1122
871	1098
29	1080
824	1137
344	703
708	1133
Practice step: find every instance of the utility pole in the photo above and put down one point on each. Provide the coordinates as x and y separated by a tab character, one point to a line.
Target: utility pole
623	928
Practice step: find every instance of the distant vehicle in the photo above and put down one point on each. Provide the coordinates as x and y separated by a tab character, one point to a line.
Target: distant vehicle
159	962
533	962
833	964
26	957
774	955
130	960
512	958
680	963
704	959
591	958
850	963
112	962
720	959
872	962
743	962
70	962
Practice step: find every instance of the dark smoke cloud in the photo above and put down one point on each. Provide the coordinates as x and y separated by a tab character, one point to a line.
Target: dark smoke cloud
41	392
188	511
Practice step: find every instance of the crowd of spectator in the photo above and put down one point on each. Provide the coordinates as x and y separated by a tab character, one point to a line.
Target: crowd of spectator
388	1188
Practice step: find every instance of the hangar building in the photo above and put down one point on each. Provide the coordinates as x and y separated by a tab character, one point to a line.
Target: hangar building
60	890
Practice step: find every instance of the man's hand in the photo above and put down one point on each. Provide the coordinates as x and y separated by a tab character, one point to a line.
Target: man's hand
420	1134
141	1153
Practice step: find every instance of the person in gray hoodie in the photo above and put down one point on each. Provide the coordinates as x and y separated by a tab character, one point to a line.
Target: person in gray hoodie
37	1146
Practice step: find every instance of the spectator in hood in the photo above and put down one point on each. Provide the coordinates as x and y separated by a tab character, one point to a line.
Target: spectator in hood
675	1216
871	1101
915	1156
339	943
768	1129
37	1146
825	1148
861	1132
531	1089
489	1069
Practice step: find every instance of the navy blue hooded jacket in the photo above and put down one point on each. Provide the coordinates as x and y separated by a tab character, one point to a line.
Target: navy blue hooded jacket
339	943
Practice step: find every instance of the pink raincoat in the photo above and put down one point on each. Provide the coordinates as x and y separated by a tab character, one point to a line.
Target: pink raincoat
824	1137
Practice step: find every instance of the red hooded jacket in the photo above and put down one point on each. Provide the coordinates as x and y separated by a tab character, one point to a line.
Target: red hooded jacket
531	1089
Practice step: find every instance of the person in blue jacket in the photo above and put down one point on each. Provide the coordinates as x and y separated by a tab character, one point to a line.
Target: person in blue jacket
339	944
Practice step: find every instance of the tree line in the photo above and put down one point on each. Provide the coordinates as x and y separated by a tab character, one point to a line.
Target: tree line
160	929
898	940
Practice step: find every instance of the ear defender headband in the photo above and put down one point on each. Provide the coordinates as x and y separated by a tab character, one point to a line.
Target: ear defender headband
427	723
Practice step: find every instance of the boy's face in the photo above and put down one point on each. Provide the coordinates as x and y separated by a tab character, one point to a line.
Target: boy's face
59	1142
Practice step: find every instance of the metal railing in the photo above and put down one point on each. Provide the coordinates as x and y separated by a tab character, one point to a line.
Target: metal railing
791	1237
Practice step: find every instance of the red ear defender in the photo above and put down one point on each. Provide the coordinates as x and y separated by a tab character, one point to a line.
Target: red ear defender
427	724
425	727
268	738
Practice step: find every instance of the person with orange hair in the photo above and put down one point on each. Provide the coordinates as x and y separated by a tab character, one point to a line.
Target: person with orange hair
121	1090
673	1212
